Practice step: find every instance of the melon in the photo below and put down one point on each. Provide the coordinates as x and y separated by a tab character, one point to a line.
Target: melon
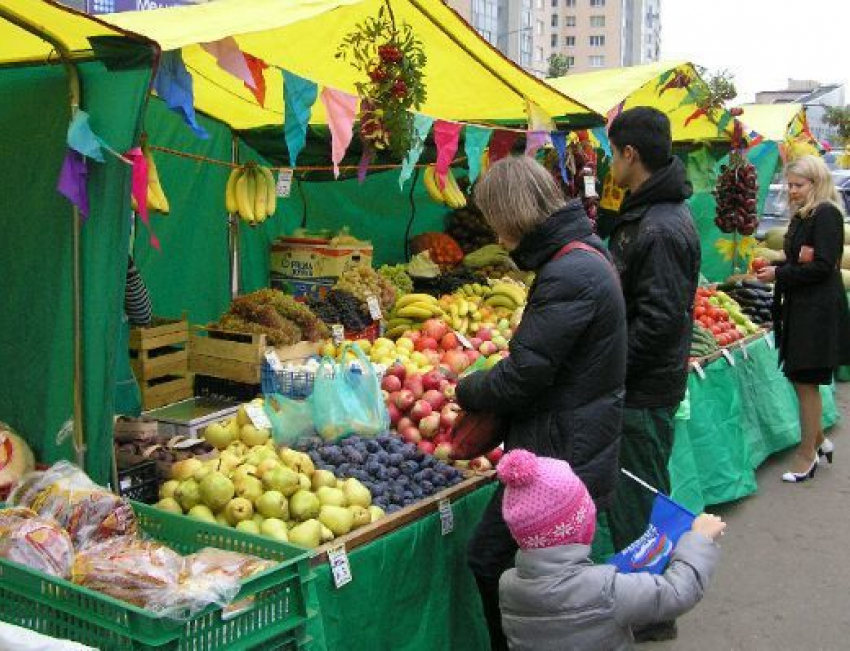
774	238
16	458
769	254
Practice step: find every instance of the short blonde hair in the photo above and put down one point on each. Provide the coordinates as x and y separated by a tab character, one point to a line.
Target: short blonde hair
823	189
516	195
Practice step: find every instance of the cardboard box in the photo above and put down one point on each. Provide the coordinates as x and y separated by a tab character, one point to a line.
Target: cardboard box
310	259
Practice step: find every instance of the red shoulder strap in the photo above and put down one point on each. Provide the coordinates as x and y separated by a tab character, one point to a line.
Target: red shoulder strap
581	246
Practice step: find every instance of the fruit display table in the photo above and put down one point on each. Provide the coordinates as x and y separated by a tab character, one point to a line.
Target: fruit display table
411	589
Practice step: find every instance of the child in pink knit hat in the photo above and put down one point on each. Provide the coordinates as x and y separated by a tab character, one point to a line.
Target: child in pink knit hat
556	599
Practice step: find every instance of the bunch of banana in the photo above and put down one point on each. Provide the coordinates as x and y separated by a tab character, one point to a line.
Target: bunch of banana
473	289
490	255
463	311
251	193
450	195
410	311
485	162
156	198
507	295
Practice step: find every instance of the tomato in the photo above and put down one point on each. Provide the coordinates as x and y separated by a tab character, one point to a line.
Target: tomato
699	311
716	330
707	321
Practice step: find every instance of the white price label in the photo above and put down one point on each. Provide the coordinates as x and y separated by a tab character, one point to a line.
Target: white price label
284	183
340	567
274	360
258	416
590	186
337	333
698	369
374	308
447	517
745	349
725	352
463	340
770	341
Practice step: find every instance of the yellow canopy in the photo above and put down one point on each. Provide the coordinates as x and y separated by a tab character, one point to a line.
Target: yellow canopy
775	121
466	78
644	85
71	28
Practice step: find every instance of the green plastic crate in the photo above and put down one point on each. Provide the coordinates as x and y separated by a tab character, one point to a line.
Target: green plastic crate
274	617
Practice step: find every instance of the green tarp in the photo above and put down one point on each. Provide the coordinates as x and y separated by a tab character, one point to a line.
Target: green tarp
36	334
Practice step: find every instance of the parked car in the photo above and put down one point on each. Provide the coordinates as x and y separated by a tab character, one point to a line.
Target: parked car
831	158
775	210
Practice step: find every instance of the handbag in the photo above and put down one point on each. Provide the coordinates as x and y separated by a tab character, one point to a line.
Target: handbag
476	433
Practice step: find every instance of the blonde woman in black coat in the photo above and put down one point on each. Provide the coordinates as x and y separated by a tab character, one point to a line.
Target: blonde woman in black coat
811	316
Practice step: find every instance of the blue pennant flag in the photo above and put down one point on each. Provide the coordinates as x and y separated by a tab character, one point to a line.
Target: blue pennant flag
173	84
653	550
299	95
475	141
421	127
82	139
559	142
601	134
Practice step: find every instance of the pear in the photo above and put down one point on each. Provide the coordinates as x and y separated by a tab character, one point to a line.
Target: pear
216	490
327	534
361	516
298	461
228	460
322	478
307	534
238	448
274	528
304	505
182	470
201	472
188	494
331	496
337	518
219	435
245	470
201	512
282	479
376	513
250	488
252	435
248	526
357	493
258	519
266	465
170	505
304	482
221	519
242	417
238	509
272	504
168	488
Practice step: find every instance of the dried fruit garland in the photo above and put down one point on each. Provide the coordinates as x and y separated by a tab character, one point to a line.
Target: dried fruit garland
393	59
736	194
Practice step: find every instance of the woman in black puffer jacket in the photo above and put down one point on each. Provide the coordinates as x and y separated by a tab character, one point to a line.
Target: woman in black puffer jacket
561	389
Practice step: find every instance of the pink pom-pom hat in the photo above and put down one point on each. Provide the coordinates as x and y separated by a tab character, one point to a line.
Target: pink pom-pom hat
545	503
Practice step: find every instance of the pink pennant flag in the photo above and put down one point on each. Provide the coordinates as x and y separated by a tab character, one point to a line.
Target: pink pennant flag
140	189
534	141
446	136
231	59
341	109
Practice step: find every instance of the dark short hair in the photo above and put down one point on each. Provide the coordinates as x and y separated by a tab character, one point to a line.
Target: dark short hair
647	130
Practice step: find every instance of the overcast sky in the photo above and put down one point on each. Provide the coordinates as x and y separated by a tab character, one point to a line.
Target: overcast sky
762	42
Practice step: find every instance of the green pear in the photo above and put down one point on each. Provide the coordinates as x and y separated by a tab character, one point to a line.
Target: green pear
266	465
228	460
361	516
322	478
250	488
327	534
304	482
245	470
282	479
221	519
306	534
331	496
201	512
219	435
168	488
272	504
298	461
202	472
275	528
188	494
183	470
357	493
170	505
248	526
336	518
238	509
258	519
304	505
251	435
216	490
376	513
238	449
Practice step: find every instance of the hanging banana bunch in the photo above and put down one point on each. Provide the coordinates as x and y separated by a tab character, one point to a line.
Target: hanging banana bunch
451	195
251	193
157	200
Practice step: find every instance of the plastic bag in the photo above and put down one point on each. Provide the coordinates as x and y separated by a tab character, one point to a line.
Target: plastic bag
64	493
291	419
36	542
347	399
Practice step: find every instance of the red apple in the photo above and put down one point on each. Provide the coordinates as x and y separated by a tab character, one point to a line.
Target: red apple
484	334
429	425
434	398
426	343
475	342
403	399
444	383
432	356
435	328
449	341
443	451
481	464
391	383
404	422
427	447
758	264
495	455
394	412
472	356
411	434
413	335
432	380
414	384
396	370
449	415
487	348
456	361
444	436
420	410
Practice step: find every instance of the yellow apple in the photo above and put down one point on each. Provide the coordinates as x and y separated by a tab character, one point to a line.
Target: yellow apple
405	344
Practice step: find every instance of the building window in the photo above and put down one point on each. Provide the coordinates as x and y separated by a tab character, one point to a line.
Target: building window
539	53
554	20
597	21
570	41
539	4
597	41
597	61
571	61
570	3
554	40
597	3
570	21
539	27
554	4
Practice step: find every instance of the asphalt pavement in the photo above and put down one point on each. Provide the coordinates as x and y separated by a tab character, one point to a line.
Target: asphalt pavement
784	578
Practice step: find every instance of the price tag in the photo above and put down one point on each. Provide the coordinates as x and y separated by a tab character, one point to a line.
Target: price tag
447	517
284	183
274	360
745	349
698	369
725	352
340	567
770	341
463	340
374	308
258	416
590	186
338	333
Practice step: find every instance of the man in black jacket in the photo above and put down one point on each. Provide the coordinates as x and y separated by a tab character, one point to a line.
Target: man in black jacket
656	248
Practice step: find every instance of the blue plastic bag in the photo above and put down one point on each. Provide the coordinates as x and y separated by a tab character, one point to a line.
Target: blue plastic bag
347	398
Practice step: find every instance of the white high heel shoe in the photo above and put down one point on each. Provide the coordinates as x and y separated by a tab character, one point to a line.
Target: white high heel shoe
796	478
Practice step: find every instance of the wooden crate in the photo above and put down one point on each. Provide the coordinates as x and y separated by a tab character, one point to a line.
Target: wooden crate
228	355
160	359
370	532
165	390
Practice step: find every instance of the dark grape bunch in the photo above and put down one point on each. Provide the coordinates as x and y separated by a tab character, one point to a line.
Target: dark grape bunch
469	228
447	283
736	193
397	474
340	306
